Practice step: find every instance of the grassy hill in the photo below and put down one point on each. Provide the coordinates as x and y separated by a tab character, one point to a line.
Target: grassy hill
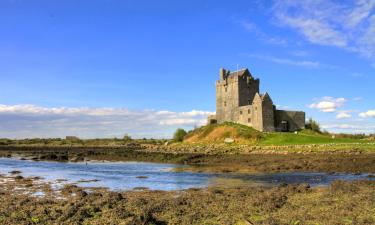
218	133
242	134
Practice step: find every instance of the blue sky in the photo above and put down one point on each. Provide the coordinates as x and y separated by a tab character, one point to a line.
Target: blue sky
102	68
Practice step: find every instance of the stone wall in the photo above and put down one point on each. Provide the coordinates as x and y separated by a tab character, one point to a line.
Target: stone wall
227	100
247	88
257	113
296	119
245	115
268	114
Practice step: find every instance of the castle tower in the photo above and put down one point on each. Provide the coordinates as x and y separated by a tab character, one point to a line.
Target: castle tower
234	90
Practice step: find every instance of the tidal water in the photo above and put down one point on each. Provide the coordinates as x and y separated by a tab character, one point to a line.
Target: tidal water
155	176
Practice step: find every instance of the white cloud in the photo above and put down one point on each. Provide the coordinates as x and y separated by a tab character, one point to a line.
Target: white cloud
283	107
343	115
349	25
352	127
328	104
341	126
21	121
370	113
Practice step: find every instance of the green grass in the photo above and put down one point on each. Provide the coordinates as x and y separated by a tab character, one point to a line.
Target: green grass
275	138
302	137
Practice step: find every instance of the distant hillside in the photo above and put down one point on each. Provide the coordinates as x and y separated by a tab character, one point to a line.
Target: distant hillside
241	134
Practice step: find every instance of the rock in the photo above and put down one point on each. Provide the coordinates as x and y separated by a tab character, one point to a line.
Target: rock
18	177
15	172
228	140
81	193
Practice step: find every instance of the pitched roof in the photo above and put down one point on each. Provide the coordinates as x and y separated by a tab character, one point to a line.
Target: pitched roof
265	96
239	72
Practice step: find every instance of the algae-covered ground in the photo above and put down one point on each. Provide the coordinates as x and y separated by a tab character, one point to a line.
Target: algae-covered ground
340	203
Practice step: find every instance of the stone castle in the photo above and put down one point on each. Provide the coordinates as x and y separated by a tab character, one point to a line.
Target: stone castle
238	100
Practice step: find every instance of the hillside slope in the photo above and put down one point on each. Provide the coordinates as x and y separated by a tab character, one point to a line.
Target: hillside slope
242	134
217	133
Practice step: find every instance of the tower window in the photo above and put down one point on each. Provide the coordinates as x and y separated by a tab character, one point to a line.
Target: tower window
240	112
226	89
248	111
249	120
225	103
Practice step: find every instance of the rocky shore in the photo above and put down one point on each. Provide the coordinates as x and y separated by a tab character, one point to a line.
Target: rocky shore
31	201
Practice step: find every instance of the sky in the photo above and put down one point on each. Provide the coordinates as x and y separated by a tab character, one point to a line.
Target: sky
105	68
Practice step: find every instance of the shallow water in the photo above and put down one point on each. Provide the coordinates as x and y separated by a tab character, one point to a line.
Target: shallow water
154	176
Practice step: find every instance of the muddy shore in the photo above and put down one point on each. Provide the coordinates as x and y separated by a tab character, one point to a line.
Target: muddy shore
349	162
340	203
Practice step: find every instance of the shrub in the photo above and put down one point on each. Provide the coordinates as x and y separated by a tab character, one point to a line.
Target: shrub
127	138
313	125
179	135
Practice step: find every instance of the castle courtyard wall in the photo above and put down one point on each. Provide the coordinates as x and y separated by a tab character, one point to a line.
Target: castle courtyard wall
296	119
268	116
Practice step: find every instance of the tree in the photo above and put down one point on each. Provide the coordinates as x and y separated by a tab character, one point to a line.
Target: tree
127	138
313	125
179	135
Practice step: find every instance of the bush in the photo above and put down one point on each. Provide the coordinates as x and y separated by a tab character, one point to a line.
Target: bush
179	135
127	138
313	125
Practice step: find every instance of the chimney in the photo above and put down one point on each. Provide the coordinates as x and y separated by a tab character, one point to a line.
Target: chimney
223	74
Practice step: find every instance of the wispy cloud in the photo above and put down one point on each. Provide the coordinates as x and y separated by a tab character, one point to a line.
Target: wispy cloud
21	121
299	53
285	61
328	104
254	29
349	25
